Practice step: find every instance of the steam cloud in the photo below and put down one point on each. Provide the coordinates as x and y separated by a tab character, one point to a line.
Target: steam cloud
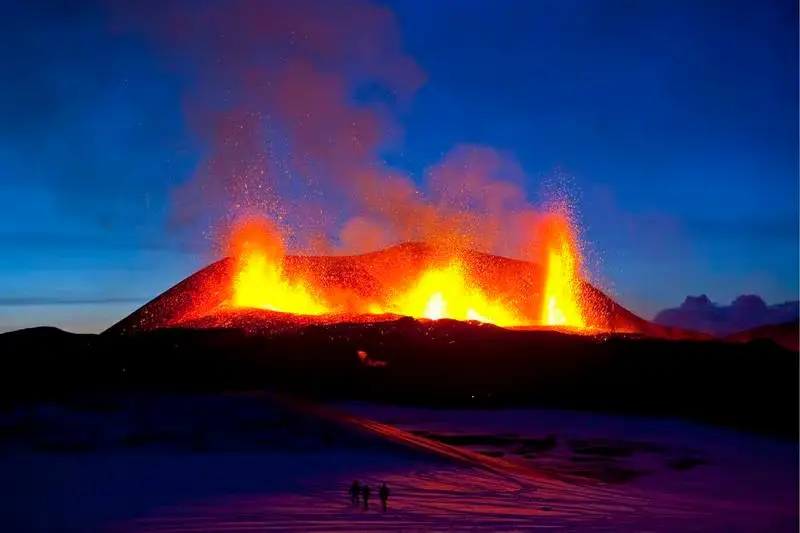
274	102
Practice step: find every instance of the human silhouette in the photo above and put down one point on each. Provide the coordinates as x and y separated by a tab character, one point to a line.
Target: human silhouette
384	495
355	490
365	495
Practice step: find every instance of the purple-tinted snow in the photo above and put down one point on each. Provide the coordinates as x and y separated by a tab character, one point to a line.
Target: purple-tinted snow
220	464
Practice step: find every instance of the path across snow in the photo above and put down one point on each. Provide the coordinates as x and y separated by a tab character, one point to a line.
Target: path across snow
425	500
289	476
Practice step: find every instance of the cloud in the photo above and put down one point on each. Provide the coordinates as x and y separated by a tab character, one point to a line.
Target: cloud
48	240
747	311
27	301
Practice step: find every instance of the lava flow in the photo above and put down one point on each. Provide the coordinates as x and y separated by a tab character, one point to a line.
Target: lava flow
425	289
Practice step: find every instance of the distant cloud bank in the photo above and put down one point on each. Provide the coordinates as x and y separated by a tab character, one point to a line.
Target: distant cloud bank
747	311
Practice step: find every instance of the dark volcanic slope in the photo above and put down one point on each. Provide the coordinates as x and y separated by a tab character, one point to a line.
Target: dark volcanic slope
192	301
786	335
435	363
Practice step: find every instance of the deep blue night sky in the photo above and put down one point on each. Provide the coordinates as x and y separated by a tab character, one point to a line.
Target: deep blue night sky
676	121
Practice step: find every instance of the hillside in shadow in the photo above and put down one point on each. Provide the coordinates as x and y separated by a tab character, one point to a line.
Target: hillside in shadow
752	385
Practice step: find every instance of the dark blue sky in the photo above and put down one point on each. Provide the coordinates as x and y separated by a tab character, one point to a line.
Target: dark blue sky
676	122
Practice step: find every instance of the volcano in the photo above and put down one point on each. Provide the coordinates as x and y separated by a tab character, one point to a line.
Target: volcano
203	299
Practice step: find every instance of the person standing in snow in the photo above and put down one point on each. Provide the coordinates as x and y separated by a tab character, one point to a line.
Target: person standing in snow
365	495
384	495
355	490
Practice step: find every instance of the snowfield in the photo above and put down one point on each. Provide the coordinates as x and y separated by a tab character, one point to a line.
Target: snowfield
247	463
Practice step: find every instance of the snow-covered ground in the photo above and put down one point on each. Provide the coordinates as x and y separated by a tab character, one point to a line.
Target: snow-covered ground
203	464
736	481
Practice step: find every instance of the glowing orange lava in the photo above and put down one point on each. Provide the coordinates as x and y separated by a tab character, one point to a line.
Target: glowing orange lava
445	293
445	290
561	302
260	284
259	281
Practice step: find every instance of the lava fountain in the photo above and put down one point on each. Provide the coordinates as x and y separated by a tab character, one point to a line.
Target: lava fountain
446	293
561	304
259	281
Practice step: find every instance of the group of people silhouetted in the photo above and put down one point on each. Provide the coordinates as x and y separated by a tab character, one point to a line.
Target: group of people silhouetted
361	492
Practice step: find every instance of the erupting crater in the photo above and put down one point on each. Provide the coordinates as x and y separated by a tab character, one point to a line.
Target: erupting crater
261	289
445	285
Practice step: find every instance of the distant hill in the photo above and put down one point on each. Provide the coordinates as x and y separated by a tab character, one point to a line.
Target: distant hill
746	312
45	339
195	301
786	335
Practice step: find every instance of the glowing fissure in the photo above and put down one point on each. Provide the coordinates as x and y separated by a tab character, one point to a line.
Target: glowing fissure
259	281
446	293
438	292
260	284
436	307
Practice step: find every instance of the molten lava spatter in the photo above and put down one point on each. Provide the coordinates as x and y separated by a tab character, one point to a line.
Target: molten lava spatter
437	288
259	281
561	304
260	284
446	293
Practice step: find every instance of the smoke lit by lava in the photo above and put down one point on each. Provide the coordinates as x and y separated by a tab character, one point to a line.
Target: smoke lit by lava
274	101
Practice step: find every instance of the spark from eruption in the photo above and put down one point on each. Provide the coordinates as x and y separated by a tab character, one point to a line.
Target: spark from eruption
259	281
446	293
561	302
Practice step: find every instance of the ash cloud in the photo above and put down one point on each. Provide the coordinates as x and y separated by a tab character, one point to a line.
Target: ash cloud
273	100
747	311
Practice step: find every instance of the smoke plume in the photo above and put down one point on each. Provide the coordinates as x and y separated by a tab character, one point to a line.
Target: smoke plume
276	101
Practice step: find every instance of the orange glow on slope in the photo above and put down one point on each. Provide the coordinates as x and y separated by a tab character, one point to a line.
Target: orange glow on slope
447	290
445	293
259	281
561	302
